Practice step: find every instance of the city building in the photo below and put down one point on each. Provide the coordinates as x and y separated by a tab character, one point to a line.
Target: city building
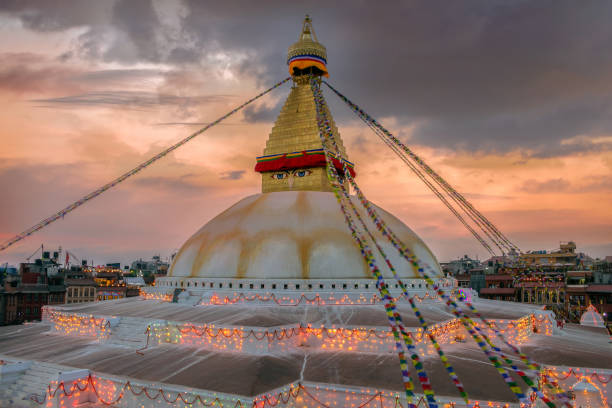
499	287
9	312
149	270
477	279
543	293
463	280
565	256
80	286
110	284
600	297
602	271
460	266
37	284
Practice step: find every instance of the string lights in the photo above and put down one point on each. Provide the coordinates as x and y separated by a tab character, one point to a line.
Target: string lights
294	299
155	295
589	386
362	339
78	324
302	299
257	340
109	392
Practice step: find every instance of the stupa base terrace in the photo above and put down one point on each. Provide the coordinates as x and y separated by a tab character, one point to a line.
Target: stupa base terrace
146	352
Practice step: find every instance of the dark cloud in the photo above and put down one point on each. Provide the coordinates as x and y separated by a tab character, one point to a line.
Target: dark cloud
546	186
36	73
596	184
29	73
478	75
111	76
560	185
262	113
173	185
138	19
130	99
481	196
58	14
182	124
233	175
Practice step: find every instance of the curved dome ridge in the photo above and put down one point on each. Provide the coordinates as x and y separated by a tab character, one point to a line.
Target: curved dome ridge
288	235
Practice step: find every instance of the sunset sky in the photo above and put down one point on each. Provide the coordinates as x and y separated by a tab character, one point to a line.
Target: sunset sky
510	101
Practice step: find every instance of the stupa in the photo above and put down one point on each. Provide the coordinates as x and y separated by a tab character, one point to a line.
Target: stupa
292	236
272	304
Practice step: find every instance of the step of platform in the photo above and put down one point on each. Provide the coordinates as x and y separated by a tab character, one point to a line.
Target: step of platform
130	332
34	382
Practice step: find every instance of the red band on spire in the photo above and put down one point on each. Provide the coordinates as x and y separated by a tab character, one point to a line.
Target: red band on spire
300	162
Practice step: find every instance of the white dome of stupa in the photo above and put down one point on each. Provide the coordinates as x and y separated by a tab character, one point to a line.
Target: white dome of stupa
289	235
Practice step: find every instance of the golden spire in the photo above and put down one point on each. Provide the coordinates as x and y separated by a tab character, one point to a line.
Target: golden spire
307	55
307	30
293	158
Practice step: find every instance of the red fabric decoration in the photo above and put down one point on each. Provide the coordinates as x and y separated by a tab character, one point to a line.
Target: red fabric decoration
300	162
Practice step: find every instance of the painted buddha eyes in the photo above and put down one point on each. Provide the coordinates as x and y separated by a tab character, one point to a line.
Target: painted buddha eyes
295	173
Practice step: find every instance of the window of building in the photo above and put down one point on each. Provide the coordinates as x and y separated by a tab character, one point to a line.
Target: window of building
297	286
320	286
274	286
251	286
285	286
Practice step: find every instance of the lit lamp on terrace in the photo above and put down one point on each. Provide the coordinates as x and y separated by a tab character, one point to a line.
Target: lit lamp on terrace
587	395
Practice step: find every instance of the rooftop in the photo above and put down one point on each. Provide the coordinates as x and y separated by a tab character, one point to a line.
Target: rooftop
503	277
253	374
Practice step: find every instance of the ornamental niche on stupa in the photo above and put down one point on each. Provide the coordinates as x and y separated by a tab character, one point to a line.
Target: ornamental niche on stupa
304	296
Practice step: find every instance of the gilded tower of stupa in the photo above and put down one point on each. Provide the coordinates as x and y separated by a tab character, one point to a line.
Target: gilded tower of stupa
293	158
